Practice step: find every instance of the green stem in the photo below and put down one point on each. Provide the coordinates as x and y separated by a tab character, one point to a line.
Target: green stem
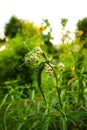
64	124
58	91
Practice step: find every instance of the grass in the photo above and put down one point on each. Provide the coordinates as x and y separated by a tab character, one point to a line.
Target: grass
57	99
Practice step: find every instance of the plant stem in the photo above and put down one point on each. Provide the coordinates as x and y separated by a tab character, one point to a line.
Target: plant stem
64	124
58	91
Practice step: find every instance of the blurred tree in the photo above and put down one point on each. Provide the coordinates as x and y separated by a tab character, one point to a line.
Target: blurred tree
18	26
28	29
82	28
12	27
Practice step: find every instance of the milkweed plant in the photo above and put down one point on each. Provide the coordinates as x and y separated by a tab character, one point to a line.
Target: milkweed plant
33	58
64	110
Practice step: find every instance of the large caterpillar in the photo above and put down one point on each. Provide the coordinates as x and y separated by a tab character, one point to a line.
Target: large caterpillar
39	72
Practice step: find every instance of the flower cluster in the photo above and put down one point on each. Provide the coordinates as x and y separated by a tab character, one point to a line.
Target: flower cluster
37	50
49	69
32	58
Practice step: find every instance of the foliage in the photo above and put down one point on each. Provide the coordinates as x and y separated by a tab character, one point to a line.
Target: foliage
82	27
18	26
64	22
42	89
72	86
47	36
12	27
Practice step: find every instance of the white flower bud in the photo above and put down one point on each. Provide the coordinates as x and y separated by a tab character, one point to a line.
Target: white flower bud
49	69
61	67
37	50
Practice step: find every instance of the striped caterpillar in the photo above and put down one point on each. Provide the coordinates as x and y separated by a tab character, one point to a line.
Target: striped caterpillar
39	72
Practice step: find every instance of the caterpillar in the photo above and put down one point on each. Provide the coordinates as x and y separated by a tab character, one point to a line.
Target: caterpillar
39	72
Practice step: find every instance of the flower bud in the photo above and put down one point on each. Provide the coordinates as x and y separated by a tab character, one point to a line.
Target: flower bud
49	69
37	50
61	67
